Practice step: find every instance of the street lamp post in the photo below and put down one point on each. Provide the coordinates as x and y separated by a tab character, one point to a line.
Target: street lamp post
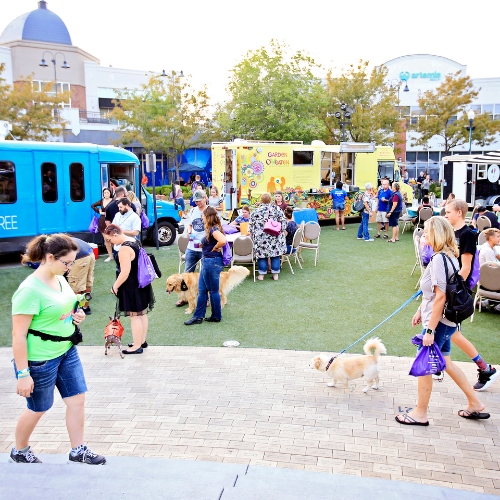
344	118
397	84
64	65
470	128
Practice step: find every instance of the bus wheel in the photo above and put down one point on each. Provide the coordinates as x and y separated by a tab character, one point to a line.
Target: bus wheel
166	234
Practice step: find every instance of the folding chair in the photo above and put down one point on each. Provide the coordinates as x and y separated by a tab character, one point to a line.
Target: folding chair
483	223
294	250
488	286
243	252
312	231
405	218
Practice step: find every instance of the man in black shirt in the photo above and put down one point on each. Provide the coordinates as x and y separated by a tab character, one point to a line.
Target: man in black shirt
456	211
420	179
490	215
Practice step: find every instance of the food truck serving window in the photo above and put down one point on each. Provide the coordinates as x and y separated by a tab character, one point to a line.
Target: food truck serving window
77	185
8	188
303	158
49	182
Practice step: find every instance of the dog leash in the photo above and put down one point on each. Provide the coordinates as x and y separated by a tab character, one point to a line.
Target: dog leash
414	296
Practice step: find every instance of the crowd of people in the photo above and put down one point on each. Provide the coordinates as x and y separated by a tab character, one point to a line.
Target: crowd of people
48	307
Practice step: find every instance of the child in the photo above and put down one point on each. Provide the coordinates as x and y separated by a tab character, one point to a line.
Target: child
291	227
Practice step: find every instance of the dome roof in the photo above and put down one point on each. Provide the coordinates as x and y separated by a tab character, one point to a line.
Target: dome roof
40	25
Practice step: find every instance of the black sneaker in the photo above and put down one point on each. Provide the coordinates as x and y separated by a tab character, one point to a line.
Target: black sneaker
485	379
87	456
27	457
87	310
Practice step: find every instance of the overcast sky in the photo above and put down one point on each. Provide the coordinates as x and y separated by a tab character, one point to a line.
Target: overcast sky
206	39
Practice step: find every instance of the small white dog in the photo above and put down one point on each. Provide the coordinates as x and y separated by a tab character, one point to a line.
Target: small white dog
346	369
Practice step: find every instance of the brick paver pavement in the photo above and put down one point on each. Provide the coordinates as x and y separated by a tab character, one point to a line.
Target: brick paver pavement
267	407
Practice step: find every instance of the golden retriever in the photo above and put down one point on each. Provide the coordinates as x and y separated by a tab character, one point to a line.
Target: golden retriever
228	281
346	369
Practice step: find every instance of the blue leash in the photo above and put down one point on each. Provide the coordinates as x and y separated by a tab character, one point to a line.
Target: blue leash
414	296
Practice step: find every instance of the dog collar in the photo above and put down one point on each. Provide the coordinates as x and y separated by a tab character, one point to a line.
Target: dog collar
184	287
330	362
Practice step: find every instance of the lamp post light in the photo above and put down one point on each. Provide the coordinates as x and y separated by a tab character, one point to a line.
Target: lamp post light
397	84
344	118
470	128
64	65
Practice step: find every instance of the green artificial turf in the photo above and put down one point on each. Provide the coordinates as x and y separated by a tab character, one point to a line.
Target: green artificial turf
355	286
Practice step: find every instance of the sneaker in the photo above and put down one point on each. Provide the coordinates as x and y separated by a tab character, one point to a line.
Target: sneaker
485	379
439	376
358	238
370	239
27	457
87	456
484	304
497	308
109	259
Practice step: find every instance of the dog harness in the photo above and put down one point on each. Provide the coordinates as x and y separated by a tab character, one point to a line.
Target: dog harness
184	287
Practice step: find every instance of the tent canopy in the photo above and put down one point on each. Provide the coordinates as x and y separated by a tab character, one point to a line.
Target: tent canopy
188	167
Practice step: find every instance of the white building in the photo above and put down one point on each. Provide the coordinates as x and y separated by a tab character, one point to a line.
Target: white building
421	72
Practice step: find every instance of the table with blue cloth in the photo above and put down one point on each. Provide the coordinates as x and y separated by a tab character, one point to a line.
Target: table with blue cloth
412	212
305	215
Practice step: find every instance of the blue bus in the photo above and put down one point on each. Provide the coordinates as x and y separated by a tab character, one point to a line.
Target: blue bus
48	187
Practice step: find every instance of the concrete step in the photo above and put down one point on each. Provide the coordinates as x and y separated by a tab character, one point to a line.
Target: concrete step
266	483
124	477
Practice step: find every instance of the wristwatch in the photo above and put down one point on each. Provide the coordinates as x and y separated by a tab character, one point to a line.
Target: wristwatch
429	331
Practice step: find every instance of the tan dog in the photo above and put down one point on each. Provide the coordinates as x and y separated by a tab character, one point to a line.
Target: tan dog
346	369
189	291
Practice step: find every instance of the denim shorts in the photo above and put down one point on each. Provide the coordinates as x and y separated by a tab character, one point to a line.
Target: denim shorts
64	372
442	337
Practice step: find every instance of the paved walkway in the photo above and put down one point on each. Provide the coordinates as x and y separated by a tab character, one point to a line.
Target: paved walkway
268	408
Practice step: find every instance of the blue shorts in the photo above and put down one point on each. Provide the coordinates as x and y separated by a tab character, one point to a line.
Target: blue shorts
64	372
442	337
339	206
394	219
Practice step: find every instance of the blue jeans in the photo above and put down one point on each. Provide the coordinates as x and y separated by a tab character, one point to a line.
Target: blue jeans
192	258
363	226
180	202
209	284
275	265
289	249
64	372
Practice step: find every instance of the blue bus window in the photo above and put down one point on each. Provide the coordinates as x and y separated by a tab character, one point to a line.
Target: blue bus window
76	184
49	182
8	189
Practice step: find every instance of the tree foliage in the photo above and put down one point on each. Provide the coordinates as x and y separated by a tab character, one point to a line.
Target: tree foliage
34	115
274	95
164	115
444	114
371	100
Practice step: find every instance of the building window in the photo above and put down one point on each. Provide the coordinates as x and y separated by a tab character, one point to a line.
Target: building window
49	182
422	156
8	188
48	87
433	156
76	183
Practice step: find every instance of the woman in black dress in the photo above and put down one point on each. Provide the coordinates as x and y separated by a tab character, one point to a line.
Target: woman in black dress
132	300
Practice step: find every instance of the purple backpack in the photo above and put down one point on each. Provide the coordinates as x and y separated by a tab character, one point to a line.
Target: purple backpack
144	220
474	275
227	254
145	270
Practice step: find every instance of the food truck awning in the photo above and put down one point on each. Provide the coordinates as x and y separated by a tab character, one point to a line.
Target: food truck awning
491	157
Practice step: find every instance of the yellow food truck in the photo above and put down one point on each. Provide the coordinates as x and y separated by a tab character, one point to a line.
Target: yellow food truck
305	173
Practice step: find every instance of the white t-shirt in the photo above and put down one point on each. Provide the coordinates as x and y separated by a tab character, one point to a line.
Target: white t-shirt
435	276
198	231
127	222
487	254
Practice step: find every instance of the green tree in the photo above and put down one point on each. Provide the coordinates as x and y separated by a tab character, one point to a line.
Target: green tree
33	114
273	96
165	115
444	115
371	100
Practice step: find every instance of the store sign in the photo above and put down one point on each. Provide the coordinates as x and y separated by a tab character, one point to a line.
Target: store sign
357	147
433	76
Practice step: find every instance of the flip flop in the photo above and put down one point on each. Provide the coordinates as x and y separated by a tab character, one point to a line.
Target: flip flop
473	415
343	229
181	303
377	236
407	420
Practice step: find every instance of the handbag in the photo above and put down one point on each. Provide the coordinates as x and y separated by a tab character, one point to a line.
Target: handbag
429	359
145	270
94	225
272	227
227	254
144	220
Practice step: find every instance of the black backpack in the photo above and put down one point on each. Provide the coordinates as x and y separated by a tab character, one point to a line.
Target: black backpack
359	205
459	304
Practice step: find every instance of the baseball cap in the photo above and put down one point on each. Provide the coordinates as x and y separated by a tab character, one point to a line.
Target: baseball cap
198	195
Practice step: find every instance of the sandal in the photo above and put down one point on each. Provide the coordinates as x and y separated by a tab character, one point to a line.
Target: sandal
391	241
343	229
473	415
407	420
385	236
377	236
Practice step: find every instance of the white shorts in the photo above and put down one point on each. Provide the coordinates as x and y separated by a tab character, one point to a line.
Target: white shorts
382	217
